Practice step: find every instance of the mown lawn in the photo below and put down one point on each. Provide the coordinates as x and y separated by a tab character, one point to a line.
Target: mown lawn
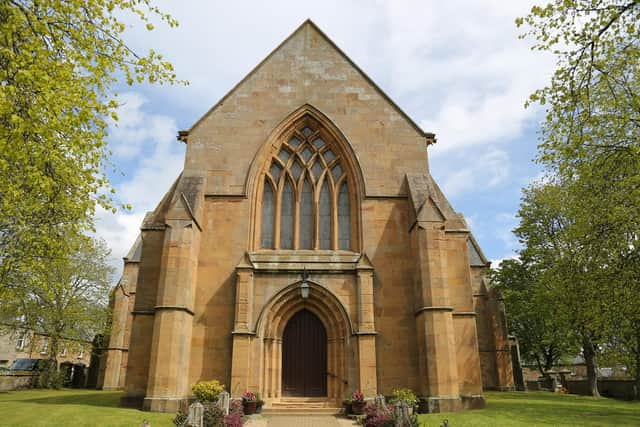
100	408
72	408
542	409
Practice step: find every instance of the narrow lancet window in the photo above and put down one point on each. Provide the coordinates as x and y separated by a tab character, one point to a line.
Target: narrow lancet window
268	214
325	216
306	216
344	226
286	217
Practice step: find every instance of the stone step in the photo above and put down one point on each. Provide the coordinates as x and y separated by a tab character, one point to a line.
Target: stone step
297	411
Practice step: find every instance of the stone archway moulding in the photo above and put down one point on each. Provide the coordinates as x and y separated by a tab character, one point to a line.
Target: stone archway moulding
270	327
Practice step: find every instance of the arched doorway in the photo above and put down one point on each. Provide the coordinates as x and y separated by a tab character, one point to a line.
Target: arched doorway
304	356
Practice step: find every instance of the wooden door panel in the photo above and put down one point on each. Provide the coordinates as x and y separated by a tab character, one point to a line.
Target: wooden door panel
304	356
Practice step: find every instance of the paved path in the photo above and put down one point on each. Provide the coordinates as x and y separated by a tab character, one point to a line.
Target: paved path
299	421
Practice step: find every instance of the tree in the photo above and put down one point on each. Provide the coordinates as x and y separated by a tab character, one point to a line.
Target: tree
65	298
544	335
59	60
593	99
572	255
590	144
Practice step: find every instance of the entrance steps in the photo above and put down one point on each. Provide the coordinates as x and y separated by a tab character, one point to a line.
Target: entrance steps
302	406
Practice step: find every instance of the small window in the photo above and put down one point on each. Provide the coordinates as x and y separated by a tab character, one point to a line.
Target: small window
22	338
45	346
268	215
344	226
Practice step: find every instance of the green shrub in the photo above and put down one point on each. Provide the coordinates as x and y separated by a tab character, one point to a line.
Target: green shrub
405	395
207	391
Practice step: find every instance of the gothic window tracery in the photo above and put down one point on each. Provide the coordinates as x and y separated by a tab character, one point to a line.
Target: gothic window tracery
306	194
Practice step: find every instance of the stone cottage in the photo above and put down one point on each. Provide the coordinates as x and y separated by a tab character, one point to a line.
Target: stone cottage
305	252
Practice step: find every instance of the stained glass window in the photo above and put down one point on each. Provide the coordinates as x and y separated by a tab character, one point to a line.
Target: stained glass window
325	216
344	226
305	202
306	217
268	215
286	217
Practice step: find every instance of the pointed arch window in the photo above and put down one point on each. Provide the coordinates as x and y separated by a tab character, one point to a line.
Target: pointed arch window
306	195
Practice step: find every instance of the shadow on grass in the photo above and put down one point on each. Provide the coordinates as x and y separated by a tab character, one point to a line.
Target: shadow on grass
110	399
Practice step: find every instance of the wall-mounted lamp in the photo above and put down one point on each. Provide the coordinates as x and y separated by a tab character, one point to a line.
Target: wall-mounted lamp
304	286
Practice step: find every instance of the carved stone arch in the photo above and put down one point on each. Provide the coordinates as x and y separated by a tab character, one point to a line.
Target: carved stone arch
278	139
270	328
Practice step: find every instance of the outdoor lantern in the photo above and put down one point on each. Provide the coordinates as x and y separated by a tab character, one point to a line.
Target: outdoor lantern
304	286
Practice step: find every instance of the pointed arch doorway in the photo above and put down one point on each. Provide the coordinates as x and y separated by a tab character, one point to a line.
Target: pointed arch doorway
304	356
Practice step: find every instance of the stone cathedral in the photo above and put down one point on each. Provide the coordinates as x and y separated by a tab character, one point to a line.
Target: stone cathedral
305	252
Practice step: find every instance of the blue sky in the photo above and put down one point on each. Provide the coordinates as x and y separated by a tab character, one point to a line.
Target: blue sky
456	67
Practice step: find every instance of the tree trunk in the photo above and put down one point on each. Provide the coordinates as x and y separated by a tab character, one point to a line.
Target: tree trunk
540	368
52	377
589	352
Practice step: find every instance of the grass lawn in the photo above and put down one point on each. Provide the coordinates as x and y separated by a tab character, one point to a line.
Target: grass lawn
72	408
100	408
540	408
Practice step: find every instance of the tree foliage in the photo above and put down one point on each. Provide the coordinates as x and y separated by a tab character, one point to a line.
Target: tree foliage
544	334
590	145
593	99
63	298
59	60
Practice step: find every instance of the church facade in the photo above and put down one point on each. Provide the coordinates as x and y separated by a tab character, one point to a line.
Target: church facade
306	252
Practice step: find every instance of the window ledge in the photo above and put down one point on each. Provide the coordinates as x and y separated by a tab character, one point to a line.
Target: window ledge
283	260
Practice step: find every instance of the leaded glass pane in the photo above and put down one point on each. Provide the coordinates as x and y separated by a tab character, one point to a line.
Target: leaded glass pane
336	172
296	169
294	142
284	155
306	217
306	131
325	217
319	143
317	170
328	156
266	240
286	217
275	171
344	224
306	154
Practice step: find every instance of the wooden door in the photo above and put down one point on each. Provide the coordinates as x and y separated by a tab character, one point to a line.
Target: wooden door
304	356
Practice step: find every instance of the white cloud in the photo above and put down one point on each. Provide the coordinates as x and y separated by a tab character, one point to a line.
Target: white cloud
466	63
155	159
487	171
457	66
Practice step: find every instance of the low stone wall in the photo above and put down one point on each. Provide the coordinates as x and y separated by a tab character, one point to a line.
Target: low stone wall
16	382
619	388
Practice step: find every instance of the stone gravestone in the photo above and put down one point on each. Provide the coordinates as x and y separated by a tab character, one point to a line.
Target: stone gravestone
401	415
196	414
381	404
223	402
